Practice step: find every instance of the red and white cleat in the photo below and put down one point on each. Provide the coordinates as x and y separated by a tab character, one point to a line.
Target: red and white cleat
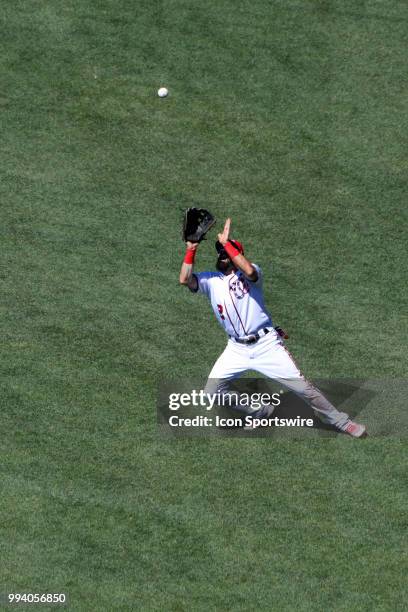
355	430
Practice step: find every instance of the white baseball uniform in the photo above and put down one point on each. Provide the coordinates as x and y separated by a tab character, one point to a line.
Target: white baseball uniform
238	304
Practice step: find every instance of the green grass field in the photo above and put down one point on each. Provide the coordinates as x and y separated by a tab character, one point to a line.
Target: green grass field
288	116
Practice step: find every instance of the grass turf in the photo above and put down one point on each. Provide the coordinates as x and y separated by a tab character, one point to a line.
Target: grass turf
289	116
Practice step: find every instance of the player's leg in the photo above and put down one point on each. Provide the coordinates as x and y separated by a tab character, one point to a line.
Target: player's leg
277	363
315	398
230	365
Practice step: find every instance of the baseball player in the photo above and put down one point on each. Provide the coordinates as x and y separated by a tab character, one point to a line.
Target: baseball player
236	296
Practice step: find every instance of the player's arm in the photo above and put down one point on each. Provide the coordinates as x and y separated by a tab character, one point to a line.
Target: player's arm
239	260
186	273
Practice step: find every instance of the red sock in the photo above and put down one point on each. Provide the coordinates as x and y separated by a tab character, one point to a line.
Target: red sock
189	256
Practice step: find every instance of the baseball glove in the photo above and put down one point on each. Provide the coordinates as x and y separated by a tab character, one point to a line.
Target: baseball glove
196	223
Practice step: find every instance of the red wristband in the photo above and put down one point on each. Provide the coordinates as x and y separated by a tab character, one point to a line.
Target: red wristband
231	250
189	256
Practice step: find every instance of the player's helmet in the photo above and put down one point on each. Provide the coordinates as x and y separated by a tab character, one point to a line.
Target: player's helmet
222	253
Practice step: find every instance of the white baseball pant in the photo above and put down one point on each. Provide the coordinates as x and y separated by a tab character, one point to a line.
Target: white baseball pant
270	357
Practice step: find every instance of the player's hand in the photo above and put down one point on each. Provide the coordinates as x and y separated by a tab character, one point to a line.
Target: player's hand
192	245
224	237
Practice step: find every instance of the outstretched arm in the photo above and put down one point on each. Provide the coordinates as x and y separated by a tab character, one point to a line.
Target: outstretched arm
236	257
186	273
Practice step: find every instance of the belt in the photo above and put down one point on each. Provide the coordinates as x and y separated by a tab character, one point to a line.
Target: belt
253	337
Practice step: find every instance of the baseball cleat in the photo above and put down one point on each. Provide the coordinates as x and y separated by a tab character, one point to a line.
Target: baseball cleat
355	430
258	421
251	427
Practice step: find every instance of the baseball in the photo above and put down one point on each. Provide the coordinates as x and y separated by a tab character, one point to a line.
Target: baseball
163	92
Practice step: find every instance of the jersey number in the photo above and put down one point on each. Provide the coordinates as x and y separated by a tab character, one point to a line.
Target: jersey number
220	310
